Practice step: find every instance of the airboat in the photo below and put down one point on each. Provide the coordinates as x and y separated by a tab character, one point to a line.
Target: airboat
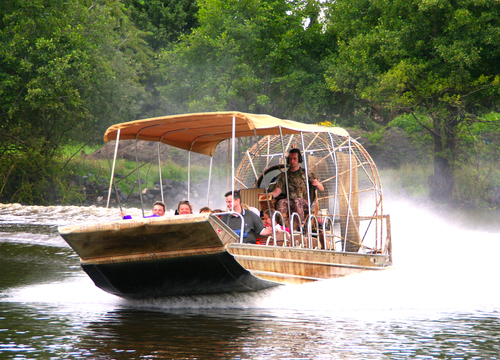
346	230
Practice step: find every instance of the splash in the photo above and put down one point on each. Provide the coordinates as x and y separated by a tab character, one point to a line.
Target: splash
439	267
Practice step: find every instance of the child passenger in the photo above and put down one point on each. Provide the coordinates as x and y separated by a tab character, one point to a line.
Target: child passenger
206	209
268	219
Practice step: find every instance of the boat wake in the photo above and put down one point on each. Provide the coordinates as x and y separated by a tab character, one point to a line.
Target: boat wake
75	293
439	268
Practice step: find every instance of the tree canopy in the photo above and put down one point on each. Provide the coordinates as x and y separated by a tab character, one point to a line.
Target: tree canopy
257	56
437	60
164	21
69	69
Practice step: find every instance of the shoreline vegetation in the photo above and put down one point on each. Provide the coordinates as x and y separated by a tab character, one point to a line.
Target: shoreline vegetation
80	175
416	82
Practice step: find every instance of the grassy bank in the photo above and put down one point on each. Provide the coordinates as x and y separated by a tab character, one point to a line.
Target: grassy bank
84	173
476	186
75	178
408	180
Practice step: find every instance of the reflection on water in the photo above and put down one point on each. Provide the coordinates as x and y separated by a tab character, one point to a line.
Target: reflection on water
439	301
126	333
24	264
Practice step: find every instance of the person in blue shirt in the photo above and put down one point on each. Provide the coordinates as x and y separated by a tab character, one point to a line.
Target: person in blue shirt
158	210
253	228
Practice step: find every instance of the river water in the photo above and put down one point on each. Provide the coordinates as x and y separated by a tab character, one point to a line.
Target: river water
441	300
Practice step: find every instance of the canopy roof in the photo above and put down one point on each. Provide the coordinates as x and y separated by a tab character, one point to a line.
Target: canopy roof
202	132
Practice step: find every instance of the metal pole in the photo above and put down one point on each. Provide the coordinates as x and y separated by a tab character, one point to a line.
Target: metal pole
304	155
286	180
350	191
251	162
311	216
113	169
159	141
228	162
334	157
189	174
159	170
138	176
209	180
232	160
189	168
262	169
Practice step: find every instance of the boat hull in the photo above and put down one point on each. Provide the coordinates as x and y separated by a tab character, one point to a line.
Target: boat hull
287	265
198	255
175	276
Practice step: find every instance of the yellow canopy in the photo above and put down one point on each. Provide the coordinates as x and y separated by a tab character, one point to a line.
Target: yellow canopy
202	132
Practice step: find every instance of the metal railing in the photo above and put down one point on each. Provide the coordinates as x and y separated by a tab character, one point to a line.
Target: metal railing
327	239
232	213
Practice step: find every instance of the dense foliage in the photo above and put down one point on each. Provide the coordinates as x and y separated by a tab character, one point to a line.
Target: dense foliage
436	60
256	56
69	69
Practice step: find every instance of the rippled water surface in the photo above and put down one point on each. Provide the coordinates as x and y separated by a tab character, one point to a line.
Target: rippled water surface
441	300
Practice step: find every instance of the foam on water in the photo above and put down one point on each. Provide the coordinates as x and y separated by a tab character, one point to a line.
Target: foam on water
77	294
438	268
55	215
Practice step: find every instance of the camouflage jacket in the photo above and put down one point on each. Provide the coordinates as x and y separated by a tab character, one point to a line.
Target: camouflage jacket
296	183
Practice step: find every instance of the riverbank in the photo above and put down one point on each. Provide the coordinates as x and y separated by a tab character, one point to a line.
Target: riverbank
96	191
81	175
408	182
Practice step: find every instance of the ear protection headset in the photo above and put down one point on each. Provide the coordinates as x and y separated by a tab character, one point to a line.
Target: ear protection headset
301	159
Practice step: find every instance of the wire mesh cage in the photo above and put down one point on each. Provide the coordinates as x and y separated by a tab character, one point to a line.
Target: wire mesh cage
352	195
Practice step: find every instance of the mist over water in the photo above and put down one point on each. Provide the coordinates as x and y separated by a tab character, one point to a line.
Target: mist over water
438	266
439	300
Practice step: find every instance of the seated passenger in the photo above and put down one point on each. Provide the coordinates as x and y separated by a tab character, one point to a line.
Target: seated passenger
217	211
158	210
184	208
268	220
282	233
252	226
206	209
251	208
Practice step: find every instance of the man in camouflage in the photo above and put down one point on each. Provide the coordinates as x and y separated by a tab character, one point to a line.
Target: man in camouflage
297	188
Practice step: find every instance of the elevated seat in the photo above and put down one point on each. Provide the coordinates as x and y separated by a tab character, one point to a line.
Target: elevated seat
250	197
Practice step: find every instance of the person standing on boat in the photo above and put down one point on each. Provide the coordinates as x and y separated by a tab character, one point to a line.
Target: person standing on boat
253	224
158	210
297	187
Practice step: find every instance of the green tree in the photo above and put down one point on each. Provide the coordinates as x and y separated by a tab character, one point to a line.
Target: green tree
163	20
254	55
437	60
64	67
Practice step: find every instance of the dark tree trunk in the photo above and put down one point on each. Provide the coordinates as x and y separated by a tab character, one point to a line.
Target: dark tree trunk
445	143
441	182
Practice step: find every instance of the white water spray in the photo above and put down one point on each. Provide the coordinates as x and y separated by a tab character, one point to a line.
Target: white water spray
439	267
